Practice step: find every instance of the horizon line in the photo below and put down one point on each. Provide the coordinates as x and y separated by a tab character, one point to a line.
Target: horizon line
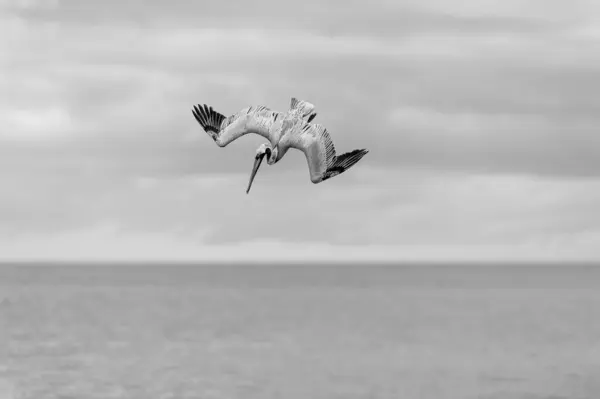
324	262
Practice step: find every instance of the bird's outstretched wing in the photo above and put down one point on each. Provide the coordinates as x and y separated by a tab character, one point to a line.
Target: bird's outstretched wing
223	130
316	144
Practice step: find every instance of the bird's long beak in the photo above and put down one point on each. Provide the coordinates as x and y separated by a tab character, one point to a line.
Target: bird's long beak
257	163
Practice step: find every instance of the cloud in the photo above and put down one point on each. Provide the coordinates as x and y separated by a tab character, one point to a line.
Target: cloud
147	91
480	119
27	124
103	244
531	144
334	18
402	214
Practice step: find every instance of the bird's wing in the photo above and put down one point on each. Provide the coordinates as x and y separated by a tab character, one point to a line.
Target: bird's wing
303	109
255	119
316	144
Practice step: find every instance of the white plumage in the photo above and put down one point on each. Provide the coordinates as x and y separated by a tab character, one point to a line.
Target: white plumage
292	129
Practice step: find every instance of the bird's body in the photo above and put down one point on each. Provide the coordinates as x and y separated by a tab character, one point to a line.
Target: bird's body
292	129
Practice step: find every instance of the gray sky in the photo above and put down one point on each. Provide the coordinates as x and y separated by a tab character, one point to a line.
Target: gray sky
481	118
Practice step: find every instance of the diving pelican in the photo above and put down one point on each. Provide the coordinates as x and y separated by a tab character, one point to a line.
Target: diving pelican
292	129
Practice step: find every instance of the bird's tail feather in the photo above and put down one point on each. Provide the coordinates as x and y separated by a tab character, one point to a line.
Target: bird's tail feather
209	119
305	109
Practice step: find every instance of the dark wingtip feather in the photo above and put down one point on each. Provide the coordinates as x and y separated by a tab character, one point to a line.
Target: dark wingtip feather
198	116
209	119
344	162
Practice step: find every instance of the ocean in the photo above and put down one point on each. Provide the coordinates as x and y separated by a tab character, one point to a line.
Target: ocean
300	331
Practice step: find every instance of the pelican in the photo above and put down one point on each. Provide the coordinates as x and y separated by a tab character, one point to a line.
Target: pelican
292	129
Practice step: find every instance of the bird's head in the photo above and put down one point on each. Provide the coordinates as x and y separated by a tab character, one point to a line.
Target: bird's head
261	152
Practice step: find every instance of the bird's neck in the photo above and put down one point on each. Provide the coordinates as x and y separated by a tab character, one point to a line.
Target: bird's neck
274	154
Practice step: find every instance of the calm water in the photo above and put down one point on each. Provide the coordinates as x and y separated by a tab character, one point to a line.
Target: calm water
304	332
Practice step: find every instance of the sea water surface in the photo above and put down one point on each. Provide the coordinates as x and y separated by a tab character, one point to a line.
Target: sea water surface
300	332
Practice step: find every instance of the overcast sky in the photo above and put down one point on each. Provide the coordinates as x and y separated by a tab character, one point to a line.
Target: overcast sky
481	118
